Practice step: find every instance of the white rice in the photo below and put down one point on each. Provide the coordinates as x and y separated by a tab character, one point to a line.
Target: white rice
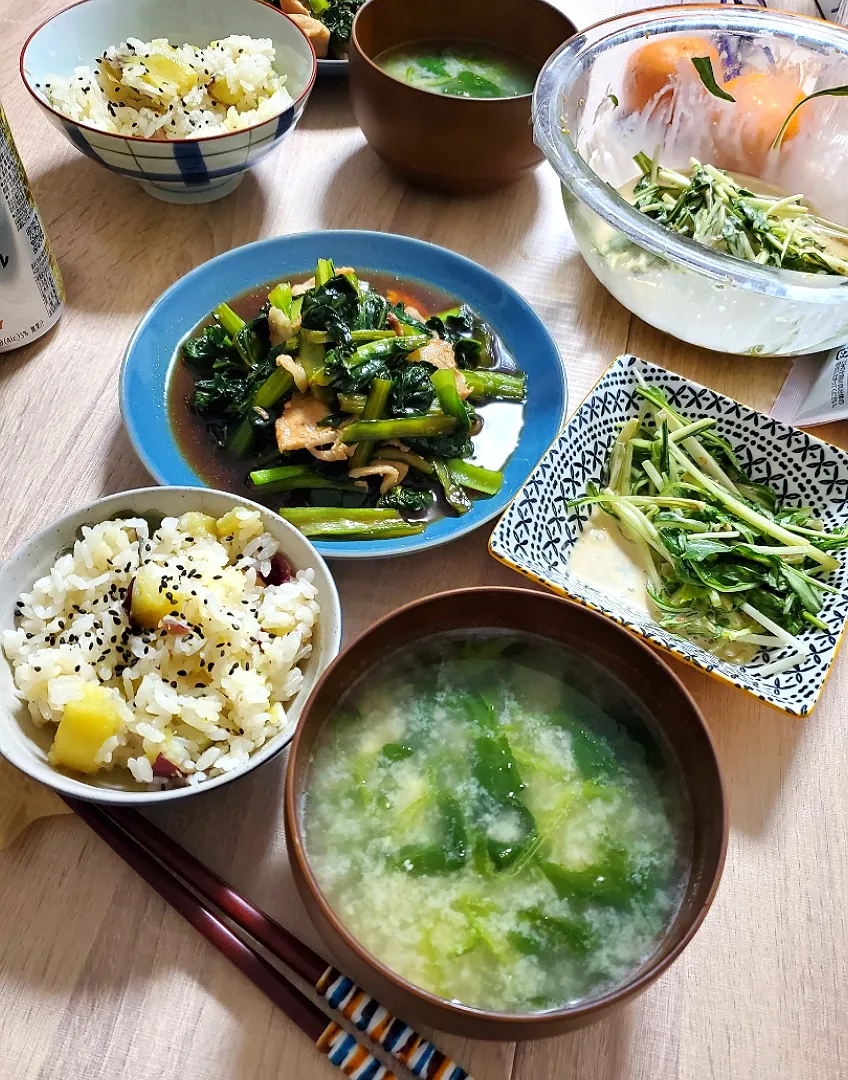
225	87
202	702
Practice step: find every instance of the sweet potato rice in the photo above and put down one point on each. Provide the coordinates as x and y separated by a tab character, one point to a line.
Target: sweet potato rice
159	91
171	653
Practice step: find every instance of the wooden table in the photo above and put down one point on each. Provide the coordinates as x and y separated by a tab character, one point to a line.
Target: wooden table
98	978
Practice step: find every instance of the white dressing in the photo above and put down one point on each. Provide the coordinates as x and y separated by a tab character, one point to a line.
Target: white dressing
605	558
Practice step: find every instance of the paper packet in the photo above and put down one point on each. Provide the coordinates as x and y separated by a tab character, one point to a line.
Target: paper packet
815	391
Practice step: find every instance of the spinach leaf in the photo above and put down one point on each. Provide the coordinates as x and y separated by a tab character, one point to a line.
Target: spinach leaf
222	394
496	771
409	499
355	378
213	345
334	308
593	755
412	390
611	880
472	341
373	310
397	751
253	340
449	853
399	311
338	16
455	445
548	938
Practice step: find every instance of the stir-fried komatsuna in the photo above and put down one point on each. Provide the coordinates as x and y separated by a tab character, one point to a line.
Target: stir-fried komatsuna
726	562
361	403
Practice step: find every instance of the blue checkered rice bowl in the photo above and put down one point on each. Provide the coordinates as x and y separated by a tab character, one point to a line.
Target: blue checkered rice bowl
178	170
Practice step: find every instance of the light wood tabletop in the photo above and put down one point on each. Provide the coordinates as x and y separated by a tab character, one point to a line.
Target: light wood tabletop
98	977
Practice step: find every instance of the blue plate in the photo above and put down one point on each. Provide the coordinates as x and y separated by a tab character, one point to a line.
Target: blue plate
152	351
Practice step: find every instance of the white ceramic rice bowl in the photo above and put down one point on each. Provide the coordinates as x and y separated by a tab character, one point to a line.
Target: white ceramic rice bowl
25	745
179	170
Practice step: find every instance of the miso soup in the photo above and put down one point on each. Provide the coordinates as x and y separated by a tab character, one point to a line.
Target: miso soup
496	820
472	69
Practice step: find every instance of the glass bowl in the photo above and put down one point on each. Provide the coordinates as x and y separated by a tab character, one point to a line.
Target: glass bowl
583	124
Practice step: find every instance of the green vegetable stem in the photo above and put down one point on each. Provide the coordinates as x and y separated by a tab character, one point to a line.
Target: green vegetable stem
375	409
403	428
333	523
294	478
455	494
451	404
496	385
486	481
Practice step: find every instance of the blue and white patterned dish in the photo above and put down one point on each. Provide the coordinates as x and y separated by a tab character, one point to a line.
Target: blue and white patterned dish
177	170
152	351
536	534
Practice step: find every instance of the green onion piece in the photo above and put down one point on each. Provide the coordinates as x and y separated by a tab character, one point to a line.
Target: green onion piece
704	66
833	91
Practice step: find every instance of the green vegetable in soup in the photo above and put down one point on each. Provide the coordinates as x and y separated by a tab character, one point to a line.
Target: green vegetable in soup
468	69
486	830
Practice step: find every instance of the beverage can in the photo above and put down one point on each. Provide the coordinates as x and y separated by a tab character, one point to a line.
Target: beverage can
32	295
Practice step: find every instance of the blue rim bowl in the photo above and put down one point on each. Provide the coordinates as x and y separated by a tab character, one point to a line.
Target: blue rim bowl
174	170
153	350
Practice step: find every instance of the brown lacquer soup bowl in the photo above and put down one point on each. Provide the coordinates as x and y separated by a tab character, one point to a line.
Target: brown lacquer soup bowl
457	144
635	687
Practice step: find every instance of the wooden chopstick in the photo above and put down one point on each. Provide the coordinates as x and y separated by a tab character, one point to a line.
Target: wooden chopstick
343	1050
127	831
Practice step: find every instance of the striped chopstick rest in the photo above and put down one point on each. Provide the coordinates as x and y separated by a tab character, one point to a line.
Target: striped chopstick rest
397	1038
